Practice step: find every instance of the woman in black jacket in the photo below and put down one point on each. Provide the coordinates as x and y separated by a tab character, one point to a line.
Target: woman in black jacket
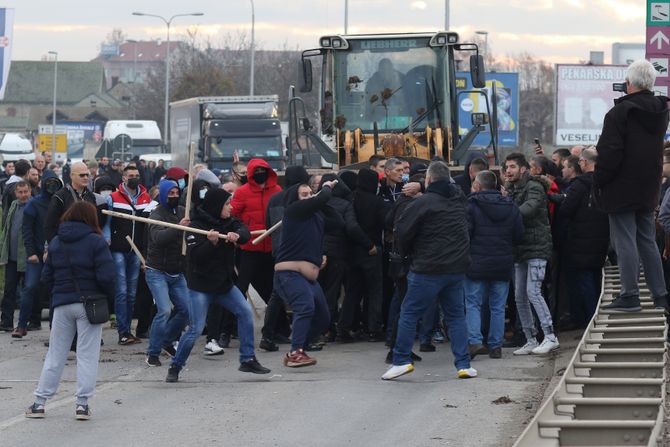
210	272
80	250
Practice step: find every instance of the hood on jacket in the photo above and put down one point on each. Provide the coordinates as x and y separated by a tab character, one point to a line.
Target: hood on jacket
209	177
650	111
445	188
105	182
256	163
214	201
48	174
164	187
73	231
493	204
13	179
350	178
197	186
341	189
367	181
295	175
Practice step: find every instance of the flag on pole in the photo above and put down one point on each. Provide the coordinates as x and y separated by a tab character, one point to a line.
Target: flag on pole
6	34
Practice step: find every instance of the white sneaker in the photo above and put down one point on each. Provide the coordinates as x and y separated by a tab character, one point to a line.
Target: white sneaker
550	343
213	348
467	373
527	349
397	370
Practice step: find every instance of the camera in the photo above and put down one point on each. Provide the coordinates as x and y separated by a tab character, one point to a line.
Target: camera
619	87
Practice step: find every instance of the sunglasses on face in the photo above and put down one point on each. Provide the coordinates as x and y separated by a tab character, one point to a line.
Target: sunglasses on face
84	174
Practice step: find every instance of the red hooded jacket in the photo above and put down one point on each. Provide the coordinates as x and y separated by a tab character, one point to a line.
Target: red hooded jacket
250	202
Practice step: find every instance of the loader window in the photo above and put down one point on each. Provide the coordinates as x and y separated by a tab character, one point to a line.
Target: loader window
389	81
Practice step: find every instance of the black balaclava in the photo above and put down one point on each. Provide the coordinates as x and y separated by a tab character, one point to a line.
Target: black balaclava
214	201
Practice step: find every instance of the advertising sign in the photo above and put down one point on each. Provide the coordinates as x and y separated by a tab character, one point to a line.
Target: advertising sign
658	42
507	92
6	40
79	136
583	96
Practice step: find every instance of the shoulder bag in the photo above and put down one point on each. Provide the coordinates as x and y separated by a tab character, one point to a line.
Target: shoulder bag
96	304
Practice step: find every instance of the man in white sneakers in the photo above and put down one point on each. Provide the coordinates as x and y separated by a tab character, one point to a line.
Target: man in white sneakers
531	254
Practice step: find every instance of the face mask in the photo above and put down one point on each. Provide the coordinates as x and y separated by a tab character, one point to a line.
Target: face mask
106	193
181	183
52	188
133	183
173	202
243	179
202	193
405	178
260	177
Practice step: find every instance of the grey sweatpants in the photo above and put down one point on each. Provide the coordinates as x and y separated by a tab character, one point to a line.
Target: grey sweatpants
634	238
528	290
68	320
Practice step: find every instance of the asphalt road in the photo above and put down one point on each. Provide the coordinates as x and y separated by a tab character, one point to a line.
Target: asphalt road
340	401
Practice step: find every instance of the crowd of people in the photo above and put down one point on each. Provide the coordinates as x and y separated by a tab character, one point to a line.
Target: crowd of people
388	253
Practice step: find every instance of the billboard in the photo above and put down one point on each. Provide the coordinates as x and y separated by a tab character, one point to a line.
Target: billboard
583	96
6	40
507	92
80	138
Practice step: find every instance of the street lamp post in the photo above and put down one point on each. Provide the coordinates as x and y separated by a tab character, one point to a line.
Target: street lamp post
446	15
167	22
253	48
53	112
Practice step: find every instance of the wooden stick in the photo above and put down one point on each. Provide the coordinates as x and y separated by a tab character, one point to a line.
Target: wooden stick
189	191
136	250
160	222
257	232
276	226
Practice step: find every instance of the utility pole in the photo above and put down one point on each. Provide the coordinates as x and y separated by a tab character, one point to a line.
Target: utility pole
346	16
446	15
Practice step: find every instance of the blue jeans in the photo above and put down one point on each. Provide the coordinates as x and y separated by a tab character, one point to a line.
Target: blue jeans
30	293
127	272
310	310
166	289
422	291
198	303
478	292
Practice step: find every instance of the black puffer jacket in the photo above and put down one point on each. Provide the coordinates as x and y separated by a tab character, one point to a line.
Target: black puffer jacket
495	226
433	231
164	243
630	154
61	201
587	235
211	268
338	242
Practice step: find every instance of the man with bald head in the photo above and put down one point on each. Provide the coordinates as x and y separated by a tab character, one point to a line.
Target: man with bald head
577	150
65	197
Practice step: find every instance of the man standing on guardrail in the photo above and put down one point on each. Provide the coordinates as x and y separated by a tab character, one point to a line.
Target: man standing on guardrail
626	183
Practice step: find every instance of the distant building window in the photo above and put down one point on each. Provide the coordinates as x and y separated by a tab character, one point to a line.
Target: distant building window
115	80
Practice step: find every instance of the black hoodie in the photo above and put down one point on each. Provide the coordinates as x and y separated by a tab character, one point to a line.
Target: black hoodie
211	268
294	176
370	209
630	154
337	242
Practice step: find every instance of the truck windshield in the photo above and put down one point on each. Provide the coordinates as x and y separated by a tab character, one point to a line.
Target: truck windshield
390	81
246	147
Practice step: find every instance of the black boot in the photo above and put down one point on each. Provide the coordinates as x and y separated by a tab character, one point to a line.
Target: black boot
173	373
661	303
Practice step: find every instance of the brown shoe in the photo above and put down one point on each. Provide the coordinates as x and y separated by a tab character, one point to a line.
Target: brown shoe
19	332
476	350
297	359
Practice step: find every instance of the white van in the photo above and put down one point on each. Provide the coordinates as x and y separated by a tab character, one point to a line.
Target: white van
167	159
14	146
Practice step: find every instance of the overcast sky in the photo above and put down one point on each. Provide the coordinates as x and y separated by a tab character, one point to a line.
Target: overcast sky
560	31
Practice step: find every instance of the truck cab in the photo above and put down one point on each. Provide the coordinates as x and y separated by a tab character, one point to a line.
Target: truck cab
225	128
124	139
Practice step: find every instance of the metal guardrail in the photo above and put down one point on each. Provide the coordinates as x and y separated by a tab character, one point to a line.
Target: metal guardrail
613	390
